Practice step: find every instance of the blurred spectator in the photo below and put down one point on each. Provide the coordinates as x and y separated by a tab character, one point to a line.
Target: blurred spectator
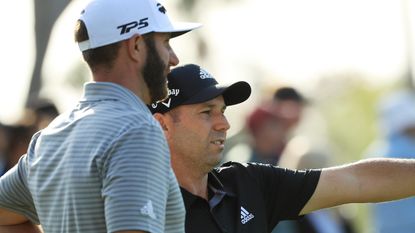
396	114
14	139
269	134
44	112
4	143
269	127
300	154
19	138
289	105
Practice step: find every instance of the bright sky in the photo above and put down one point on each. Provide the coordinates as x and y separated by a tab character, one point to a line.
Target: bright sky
257	41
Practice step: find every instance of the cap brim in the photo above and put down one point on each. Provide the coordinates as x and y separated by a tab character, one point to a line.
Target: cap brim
180	28
237	93
233	94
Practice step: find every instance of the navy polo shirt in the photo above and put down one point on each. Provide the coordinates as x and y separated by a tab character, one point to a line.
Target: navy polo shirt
249	198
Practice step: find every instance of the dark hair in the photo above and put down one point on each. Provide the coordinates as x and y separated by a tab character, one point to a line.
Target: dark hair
288	93
101	56
45	107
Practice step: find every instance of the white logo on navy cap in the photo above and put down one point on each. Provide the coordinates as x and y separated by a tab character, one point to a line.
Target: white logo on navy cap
165	103
171	92
174	92
204	74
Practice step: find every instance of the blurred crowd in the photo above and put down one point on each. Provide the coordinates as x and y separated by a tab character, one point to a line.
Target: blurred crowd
396	114
39	112
15	138
271	136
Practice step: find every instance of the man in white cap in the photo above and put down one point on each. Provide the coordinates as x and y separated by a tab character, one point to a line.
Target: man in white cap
254	197
105	165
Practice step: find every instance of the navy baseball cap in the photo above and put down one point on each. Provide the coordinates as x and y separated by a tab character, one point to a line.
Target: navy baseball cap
190	84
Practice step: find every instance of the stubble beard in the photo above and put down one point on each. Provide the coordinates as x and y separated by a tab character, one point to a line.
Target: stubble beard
153	72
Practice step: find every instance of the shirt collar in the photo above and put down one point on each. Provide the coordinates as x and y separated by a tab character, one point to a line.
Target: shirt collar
98	91
215	186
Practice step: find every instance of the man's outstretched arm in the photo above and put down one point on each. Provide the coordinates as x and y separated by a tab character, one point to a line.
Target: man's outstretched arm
370	180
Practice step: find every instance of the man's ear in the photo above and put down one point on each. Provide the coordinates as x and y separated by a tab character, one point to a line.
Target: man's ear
161	119
135	47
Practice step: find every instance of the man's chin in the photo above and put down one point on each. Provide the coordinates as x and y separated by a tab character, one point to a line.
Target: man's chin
217	159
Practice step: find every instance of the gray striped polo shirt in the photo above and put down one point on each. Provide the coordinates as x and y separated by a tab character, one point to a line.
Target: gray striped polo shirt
102	167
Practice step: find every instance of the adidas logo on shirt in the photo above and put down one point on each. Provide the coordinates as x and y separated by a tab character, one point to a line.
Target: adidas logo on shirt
148	210
245	215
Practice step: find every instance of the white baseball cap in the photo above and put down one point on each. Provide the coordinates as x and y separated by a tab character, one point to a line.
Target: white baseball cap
110	21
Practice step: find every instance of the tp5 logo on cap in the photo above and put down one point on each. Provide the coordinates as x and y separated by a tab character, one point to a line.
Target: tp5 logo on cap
142	23
110	21
125	28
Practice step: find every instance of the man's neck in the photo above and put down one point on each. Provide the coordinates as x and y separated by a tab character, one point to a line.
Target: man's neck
124	73
194	182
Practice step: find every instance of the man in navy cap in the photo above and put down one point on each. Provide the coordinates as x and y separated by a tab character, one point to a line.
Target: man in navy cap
254	197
